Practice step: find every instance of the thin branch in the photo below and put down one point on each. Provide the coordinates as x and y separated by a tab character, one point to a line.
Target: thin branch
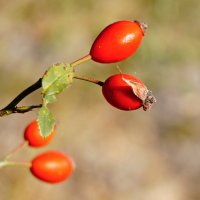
5	163
21	109
24	109
81	60
16	150
22	95
12	106
92	80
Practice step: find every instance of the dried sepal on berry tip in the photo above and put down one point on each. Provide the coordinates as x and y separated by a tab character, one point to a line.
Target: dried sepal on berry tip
141	91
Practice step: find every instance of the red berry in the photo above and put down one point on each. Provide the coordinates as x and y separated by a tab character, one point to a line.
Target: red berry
117	41
52	167
120	94
33	136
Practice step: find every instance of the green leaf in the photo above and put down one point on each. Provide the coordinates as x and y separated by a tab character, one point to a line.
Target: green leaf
55	80
46	121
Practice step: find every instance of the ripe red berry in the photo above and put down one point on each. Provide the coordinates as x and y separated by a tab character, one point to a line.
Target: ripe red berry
33	136
127	92
117	41
52	167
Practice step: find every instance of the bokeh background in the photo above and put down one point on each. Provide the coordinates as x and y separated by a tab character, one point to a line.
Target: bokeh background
119	155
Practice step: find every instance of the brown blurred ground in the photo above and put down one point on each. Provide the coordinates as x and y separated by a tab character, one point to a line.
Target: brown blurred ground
119	155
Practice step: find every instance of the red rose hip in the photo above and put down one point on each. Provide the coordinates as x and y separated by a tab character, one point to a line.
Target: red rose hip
117	41
127	92
52	167
33	136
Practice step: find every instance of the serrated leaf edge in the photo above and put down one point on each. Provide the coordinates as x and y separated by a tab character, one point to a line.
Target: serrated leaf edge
58	77
40	130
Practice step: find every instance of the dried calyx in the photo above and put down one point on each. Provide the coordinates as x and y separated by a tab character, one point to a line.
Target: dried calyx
141	91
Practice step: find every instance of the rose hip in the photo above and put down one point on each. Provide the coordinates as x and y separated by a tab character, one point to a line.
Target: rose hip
33	136
117	41
52	167
127	92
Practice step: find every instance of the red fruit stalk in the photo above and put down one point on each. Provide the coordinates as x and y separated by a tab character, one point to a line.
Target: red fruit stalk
52	167
33	136
127	92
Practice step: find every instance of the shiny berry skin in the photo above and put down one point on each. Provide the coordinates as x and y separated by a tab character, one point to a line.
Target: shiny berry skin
52	167
119	94
33	136
117	41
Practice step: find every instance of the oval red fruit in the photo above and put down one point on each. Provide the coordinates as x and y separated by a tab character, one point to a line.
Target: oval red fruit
120	94
117	41
33	136
52	167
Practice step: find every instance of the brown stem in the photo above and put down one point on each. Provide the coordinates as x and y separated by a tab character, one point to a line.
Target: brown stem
5	163
16	150
16	109
81	60
12	106
23	94
91	80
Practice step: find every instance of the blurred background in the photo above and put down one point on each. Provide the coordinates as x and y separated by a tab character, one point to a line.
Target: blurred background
153	155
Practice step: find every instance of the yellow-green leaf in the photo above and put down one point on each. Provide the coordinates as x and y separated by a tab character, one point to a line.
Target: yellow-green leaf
46	121
55	80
